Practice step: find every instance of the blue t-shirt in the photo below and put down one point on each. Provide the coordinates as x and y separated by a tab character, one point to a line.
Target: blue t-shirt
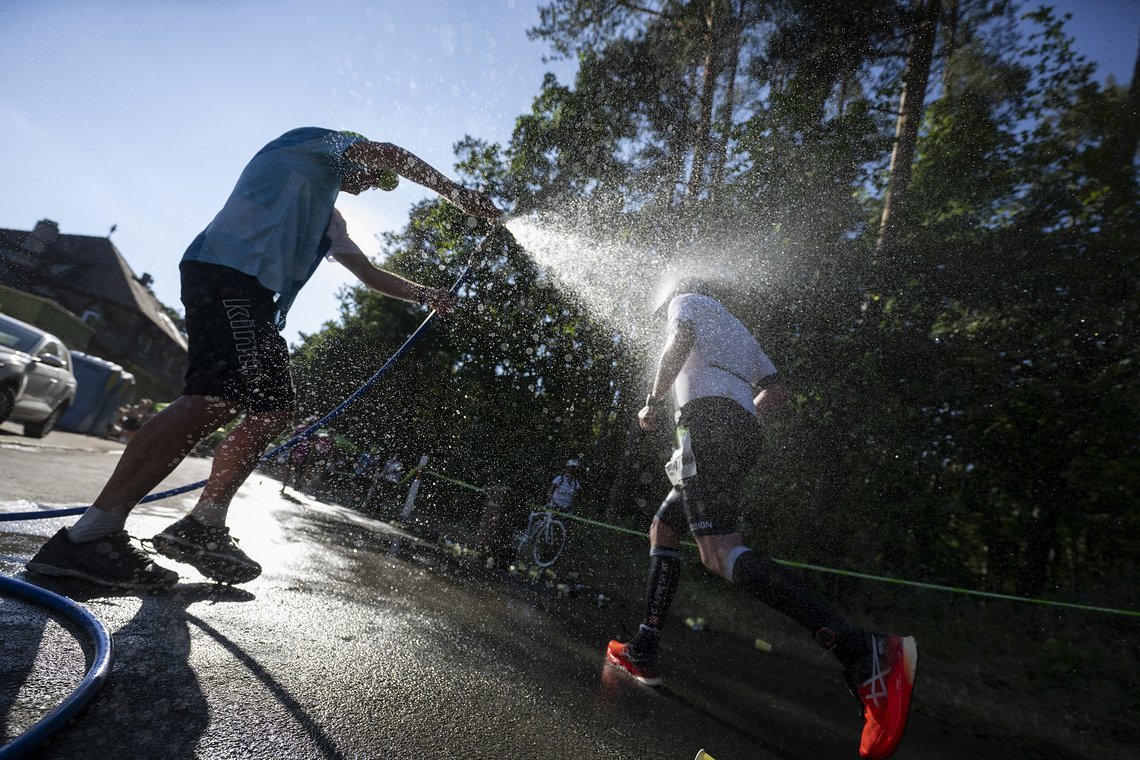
274	224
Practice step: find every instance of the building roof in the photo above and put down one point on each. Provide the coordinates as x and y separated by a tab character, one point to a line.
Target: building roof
85	264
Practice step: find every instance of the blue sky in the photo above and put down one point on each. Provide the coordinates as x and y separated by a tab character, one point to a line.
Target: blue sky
142	114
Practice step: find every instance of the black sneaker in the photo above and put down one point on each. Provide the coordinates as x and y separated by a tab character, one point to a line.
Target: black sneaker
210	550
109	561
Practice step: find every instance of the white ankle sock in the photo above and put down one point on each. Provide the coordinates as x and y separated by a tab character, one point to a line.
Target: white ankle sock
95	523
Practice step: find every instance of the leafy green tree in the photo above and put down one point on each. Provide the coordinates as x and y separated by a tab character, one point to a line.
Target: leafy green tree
964	407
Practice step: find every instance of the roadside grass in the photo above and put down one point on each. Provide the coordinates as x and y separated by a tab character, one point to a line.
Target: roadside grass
1060	683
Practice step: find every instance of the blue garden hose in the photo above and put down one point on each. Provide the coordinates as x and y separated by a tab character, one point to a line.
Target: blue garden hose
307	432
50	724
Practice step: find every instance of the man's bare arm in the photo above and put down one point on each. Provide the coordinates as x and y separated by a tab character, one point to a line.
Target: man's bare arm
379	155
393	285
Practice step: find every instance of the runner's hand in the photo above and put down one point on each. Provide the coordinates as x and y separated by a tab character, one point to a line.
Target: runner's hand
647	418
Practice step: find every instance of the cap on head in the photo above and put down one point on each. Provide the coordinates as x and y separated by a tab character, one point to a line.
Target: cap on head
387	180
572	463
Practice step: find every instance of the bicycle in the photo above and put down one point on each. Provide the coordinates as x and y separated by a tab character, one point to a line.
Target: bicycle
547	534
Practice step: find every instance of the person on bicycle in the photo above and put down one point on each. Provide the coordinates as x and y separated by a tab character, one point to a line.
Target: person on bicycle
564	489
724	386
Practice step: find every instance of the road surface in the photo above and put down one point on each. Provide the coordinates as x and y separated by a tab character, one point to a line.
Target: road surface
355	645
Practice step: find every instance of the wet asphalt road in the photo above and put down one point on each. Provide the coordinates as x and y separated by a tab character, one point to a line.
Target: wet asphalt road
351	646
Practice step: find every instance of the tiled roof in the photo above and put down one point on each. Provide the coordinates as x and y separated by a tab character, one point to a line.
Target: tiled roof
92	265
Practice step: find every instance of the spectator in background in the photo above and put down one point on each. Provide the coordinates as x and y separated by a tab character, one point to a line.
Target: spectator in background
298	464
564	489
132	417
494	539
362	473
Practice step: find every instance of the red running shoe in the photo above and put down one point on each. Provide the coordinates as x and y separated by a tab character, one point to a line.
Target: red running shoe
885	695
643	668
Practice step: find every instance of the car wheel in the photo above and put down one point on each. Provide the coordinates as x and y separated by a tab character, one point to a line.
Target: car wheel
40	429
7	402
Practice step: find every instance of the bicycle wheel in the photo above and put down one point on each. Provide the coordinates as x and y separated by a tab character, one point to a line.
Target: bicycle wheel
548	543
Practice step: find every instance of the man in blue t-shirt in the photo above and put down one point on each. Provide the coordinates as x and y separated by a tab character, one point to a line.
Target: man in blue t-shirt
239	278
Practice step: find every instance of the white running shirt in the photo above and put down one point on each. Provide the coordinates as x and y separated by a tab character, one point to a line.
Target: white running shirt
725	361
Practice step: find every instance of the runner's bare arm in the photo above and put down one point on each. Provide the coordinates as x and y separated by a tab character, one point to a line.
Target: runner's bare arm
770	399
677	348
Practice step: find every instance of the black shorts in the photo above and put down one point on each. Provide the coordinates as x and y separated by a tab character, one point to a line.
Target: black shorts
236	352
725	440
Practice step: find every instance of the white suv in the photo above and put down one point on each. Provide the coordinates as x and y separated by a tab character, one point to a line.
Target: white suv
36	381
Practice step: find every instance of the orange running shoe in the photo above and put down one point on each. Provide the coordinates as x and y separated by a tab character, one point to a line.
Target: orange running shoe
885	695
641	667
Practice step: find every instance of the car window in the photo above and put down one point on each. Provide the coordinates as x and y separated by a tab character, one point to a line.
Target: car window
16	336
53	348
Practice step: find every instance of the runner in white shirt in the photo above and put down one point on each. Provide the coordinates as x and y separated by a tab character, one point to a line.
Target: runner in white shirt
714	367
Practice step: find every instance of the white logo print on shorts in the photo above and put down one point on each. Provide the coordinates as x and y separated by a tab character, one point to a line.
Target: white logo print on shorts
241	327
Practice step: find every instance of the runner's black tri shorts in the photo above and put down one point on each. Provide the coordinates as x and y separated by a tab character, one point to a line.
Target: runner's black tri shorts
236	352
725	441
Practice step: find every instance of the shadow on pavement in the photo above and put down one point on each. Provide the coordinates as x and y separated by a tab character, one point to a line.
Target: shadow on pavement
292	706
748	736
153	694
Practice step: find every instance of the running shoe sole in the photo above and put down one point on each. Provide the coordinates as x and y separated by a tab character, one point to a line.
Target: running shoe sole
51	571
616	661
215	567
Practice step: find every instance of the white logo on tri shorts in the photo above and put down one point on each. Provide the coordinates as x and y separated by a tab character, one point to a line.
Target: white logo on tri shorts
241	326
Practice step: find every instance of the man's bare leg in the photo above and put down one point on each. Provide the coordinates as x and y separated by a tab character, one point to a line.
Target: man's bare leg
159	447
235	459
154	451
201	538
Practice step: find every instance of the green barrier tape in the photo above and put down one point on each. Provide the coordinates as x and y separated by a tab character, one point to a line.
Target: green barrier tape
468	486
956	589
833	570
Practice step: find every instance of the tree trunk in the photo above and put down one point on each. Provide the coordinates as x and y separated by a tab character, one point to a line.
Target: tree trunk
951	46
703	128
1128	136
620	487
736	28
911	104
1042	539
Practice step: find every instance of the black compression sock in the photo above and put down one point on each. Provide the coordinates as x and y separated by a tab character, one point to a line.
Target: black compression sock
664	575
782	591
